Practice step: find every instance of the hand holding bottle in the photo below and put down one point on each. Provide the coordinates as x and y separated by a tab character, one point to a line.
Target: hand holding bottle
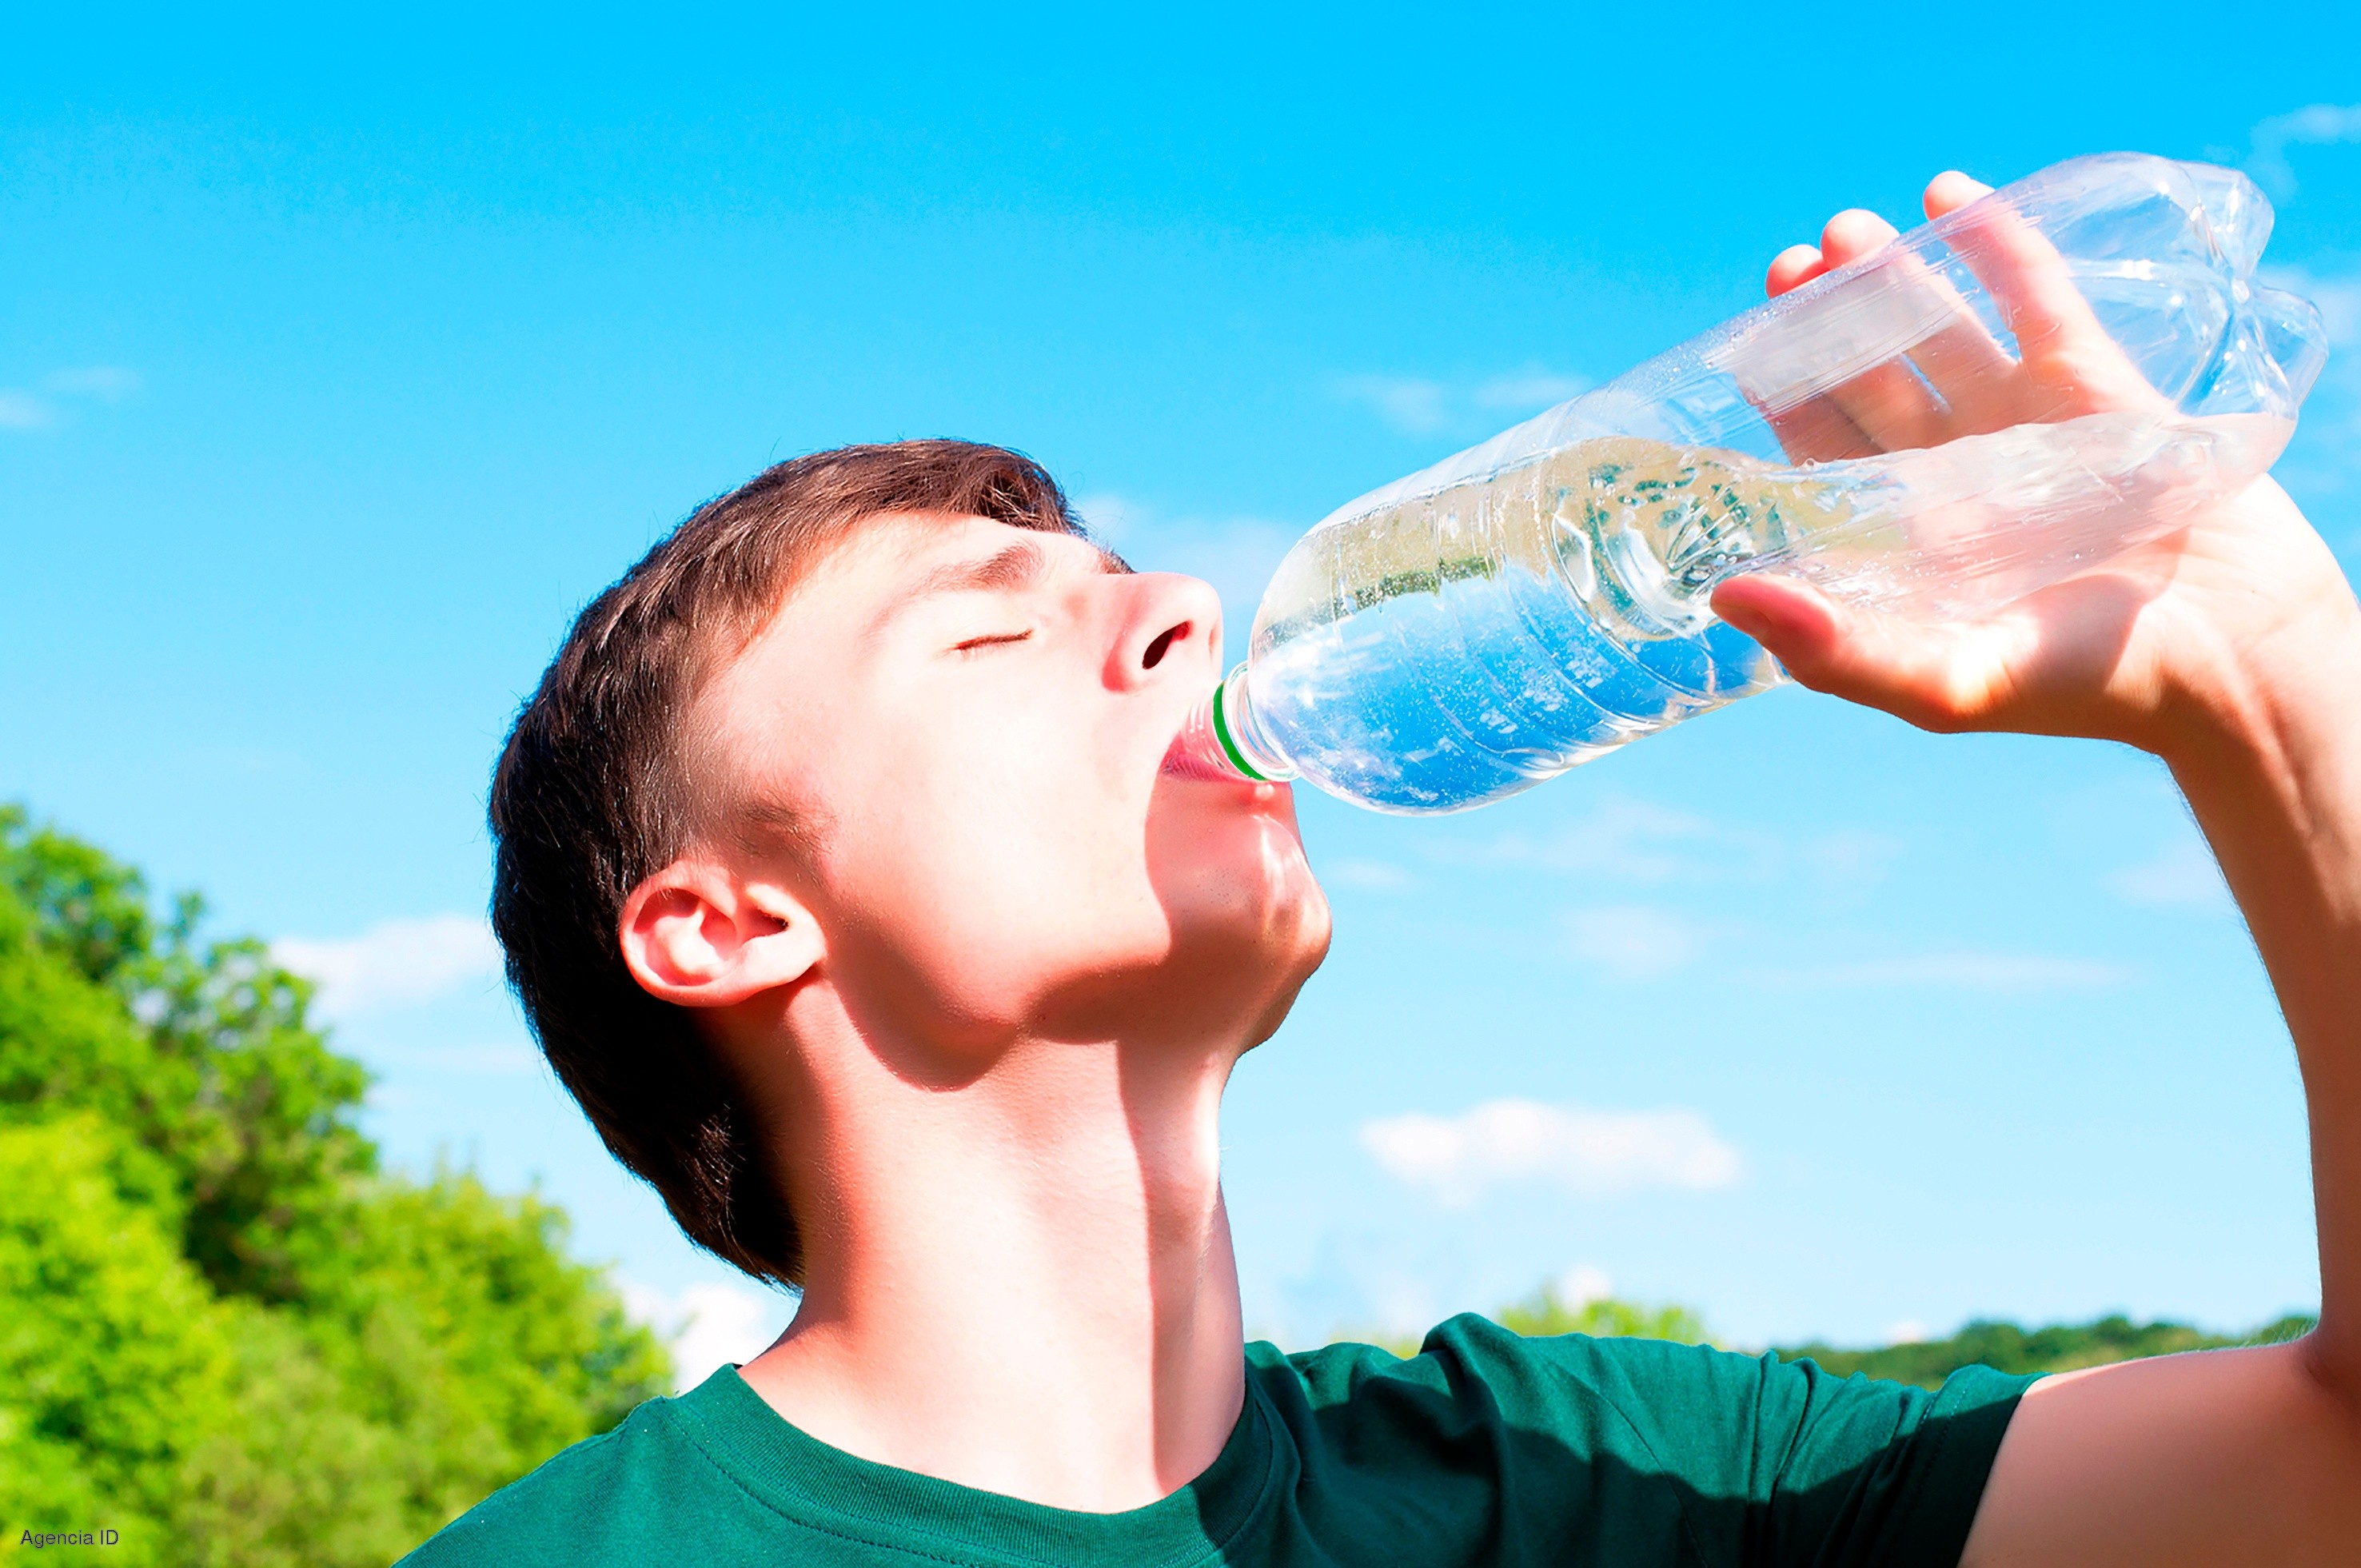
1967	383
2148	648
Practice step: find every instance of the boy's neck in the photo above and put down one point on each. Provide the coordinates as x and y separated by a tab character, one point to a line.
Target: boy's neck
1022	1283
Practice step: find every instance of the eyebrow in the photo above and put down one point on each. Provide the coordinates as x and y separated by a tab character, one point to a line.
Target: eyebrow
1017	565
1021	565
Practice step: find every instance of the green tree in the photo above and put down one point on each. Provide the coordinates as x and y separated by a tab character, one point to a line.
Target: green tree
223	1330
1546	1312
114	1352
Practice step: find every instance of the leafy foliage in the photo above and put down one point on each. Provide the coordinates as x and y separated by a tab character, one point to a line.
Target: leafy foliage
111	1342
223	1330
1548	1312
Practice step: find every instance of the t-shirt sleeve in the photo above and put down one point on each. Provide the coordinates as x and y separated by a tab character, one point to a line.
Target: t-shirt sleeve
1773	1462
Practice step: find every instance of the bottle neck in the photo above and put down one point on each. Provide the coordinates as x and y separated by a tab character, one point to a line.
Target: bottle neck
1223	738
1246	744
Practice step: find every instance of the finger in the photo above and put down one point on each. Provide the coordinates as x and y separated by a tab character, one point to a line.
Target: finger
1951	191
1853	233
1893	407
1821	430
1797	265
1972	373
2073	366
1975	387
1940	677
1888	404
1818	430
2023	271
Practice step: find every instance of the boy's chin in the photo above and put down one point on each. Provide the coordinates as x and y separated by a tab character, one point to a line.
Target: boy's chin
1245	883
1219	982
1266	937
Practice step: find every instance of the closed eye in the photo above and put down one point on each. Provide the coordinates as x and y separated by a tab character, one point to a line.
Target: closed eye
971	645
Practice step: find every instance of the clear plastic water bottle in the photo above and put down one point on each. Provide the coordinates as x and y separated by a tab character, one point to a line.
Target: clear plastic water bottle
2060	370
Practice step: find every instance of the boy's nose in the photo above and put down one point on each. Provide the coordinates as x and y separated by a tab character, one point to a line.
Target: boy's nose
1172	629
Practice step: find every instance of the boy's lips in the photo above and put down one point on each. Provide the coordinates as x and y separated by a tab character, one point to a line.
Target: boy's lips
1182	764
1183	759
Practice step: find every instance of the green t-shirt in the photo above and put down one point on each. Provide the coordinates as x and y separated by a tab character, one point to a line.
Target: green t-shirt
1485	1447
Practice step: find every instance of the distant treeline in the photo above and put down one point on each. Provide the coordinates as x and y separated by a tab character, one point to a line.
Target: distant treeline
2059	1347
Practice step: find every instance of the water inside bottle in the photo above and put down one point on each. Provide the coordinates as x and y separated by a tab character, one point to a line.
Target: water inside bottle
1455	648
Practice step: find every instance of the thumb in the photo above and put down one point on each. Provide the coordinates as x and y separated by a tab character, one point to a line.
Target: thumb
1935	676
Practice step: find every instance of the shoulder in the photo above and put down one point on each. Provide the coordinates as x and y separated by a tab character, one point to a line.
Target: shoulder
1471	1360
1721	1419
1474	1383
582	1505
1578	1449
1661	1447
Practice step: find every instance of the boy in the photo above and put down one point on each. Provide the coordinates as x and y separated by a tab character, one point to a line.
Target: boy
844	885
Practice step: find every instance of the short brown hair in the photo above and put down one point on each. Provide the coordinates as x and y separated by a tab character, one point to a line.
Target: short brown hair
588	801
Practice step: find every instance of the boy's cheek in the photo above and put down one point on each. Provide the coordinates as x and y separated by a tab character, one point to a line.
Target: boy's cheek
996	876
999	834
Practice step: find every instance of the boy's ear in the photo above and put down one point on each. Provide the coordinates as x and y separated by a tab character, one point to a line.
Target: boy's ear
694	935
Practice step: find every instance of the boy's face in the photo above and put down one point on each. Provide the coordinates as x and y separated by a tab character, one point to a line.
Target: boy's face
972	719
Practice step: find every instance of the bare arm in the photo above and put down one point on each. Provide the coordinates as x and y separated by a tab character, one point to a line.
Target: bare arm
2247	1455
2232	652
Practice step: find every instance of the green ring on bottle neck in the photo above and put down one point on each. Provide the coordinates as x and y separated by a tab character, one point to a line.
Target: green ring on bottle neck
1229	746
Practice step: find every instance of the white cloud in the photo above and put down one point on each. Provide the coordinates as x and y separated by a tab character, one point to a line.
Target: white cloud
2182	875
1420	405
1528	391
708	1326
1584	1152
22	410
1642	942
1372	876
1623	840
2003	972
2339	299
1387	1282
1580	1285
1236	554
2315	124
1411	404
1849	858
1637	843
107	383
1627	840
1909	1331
394	963
2320	461
1636	941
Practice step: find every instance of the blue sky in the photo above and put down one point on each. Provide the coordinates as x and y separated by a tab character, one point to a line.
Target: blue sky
340	359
